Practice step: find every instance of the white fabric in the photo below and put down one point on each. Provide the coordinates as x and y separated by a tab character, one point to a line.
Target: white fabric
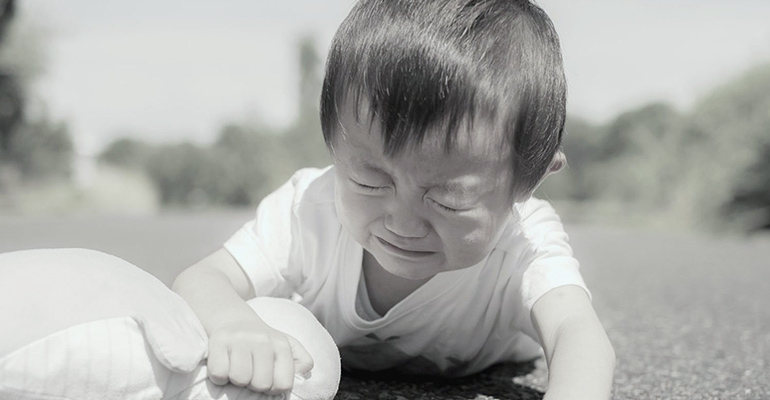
45	291
92	326
457	323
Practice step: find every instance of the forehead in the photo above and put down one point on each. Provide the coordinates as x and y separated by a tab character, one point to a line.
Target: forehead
474	152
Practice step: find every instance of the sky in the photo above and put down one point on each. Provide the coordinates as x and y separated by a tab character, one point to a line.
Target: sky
172	70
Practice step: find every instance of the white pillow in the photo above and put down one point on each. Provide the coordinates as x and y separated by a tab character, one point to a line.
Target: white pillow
81	324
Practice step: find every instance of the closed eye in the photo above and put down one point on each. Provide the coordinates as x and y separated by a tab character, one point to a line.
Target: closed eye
443	207
367	187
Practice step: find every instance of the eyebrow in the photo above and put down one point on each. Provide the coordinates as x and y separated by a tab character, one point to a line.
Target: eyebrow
368	166
456	187
371	167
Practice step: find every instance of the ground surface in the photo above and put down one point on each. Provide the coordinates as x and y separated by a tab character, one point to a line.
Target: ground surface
689	316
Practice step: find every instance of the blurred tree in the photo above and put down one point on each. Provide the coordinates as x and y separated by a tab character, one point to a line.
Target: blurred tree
246	162
750	202
10	92
11	104
7	10
310	76
182	173
632	159
127	153
255	162
42	150
304	137
24	51
239	169
632	130
34	146
641	150
727	131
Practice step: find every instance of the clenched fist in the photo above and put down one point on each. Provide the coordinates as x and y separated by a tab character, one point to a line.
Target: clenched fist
252	354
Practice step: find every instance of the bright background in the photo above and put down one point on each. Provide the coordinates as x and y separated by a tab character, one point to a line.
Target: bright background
139	107
173	69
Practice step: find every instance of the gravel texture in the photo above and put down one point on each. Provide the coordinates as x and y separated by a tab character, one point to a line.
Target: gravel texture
504	382
688	315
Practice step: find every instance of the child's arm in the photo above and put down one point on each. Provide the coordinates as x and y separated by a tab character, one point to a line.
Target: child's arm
581	361
242	348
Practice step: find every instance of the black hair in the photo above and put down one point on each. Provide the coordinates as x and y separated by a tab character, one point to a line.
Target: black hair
427	65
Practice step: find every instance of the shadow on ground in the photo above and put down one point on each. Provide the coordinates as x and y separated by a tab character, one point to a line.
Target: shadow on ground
496	382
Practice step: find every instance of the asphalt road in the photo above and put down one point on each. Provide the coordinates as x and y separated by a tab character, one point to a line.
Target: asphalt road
689	315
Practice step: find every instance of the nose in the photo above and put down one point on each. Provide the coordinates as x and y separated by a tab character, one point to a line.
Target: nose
404	221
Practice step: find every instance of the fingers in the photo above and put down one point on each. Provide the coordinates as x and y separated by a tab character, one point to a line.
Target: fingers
262	377
240	367
229	366
266	366
303	362
218	364
283	376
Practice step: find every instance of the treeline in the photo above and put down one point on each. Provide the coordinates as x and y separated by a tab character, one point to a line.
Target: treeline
33	146
247	160
706	168
243	165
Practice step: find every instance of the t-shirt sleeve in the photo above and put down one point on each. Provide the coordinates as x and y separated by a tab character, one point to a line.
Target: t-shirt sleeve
548	260
263	245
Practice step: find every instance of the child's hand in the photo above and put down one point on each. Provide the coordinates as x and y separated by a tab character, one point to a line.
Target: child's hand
252	354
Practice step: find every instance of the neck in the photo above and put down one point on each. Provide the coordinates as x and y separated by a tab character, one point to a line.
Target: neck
385	289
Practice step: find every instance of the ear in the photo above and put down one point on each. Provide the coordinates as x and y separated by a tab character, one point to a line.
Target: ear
558	162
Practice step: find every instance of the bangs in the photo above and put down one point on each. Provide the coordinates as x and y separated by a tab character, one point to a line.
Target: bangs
410	96
409	76
410	93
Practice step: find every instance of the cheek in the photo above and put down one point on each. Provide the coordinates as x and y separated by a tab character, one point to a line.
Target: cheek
468	242
354	211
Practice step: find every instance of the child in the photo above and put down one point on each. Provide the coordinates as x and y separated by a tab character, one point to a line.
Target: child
421	249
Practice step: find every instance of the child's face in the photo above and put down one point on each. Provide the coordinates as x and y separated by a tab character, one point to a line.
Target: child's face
424	211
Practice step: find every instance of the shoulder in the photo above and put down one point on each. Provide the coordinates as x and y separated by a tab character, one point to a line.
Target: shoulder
312	185
305	210
313	194
535	215
281	210
293	225
535	225
307	186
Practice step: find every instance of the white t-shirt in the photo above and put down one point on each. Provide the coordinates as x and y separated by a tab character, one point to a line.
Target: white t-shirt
457	323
